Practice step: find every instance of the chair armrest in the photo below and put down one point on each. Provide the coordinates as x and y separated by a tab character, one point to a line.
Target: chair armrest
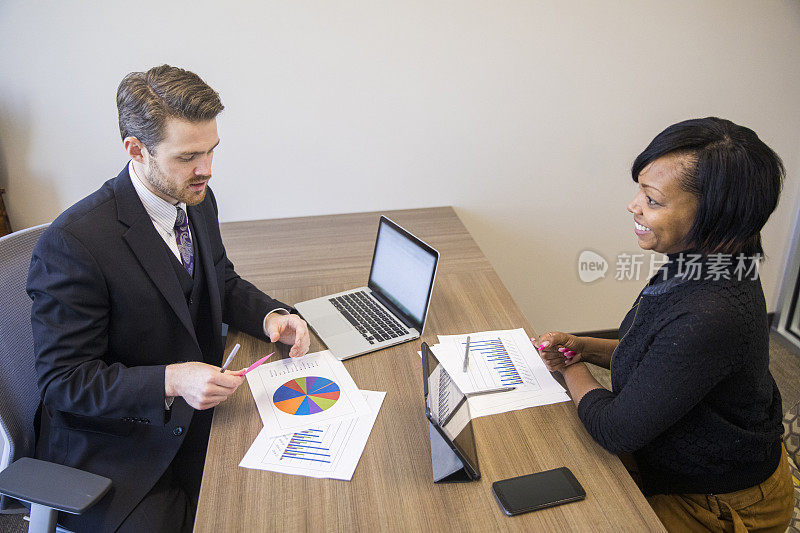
52	485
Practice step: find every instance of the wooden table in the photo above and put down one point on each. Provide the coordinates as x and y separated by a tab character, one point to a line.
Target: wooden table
392	489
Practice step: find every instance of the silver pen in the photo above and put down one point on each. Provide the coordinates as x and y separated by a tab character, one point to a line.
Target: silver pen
466	356
230	357
470	395
488	391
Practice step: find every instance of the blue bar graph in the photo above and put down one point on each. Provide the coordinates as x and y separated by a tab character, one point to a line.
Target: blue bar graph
498	359
307	445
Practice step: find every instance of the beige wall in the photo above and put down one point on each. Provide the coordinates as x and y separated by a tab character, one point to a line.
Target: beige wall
524	115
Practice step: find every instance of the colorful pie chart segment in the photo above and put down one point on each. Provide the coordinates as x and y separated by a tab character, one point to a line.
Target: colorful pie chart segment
306	396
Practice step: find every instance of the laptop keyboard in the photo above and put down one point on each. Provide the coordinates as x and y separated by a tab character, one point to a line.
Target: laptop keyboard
374	324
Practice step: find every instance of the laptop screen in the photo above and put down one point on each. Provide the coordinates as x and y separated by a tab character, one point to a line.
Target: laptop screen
403	270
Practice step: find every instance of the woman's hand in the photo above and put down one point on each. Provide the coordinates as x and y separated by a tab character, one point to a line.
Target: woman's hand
559	350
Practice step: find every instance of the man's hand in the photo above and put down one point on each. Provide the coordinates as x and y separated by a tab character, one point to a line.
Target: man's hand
202	386
289	329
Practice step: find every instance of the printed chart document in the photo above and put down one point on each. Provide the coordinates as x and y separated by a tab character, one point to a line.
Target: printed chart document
499	359
293	394
496	359
327	450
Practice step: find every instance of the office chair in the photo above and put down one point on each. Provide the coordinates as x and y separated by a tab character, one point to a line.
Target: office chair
791	439
45	487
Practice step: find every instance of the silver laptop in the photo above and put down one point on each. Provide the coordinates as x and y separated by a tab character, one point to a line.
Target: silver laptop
391	309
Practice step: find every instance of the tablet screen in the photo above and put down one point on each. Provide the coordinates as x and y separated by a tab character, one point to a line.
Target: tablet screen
447	408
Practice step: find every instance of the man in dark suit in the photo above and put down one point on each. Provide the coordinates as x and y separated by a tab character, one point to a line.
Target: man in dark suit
130	287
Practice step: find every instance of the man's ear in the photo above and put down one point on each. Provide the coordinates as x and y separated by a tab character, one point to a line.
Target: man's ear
136	150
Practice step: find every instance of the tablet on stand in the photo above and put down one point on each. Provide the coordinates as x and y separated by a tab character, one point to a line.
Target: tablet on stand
453	454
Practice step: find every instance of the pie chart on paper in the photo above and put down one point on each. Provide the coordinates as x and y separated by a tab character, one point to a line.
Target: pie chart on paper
306	396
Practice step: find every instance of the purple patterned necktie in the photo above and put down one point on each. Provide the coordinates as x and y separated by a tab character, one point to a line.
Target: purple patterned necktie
184	241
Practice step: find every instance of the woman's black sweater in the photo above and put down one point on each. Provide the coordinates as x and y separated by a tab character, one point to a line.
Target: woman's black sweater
693	398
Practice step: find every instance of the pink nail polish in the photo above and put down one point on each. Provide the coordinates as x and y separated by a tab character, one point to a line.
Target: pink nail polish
562	349
544	345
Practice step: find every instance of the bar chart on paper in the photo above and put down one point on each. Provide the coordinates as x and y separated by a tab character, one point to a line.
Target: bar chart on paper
497	361
500	358
307	445
323	450
316	448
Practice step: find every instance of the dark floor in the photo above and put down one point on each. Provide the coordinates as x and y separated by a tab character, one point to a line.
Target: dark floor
785	367
13	524
784	364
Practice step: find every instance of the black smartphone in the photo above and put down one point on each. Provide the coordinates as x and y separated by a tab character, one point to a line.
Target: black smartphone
522	494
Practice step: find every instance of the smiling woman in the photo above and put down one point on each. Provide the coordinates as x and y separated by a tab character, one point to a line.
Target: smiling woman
662	209
694	408
721	180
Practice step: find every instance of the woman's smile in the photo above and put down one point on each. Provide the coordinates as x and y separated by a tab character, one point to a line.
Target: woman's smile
640	229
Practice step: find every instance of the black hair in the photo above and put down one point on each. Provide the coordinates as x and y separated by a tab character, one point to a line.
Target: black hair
736	178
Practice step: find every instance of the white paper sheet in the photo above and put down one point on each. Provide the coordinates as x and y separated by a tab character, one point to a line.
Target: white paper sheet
520	363
496	359
502	402
327	450
293	394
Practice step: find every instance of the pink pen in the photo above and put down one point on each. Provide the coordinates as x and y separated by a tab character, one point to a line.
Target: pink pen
257	364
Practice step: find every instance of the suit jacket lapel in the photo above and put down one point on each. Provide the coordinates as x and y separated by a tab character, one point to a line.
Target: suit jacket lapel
149	249
203	246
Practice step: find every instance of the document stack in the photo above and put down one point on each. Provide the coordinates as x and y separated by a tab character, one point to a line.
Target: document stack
504	360
316	420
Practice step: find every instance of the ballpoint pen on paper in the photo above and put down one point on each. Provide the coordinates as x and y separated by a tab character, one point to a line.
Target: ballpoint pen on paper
256	364
470	395
230	357
488	391
466	356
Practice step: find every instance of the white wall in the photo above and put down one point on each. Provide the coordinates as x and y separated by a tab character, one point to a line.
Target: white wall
523	115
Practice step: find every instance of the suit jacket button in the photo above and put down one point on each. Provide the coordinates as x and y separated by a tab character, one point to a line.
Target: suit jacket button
177	431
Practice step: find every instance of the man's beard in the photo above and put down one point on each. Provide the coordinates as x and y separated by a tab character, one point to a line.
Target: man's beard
159	181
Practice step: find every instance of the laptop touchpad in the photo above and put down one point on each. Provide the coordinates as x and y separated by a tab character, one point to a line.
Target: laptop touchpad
331	325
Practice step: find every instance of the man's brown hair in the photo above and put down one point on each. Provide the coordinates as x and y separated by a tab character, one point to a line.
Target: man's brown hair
145	100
